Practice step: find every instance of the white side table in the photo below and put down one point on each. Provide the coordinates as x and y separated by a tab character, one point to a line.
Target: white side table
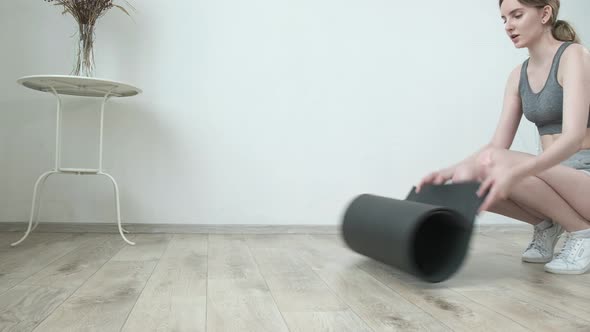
84	87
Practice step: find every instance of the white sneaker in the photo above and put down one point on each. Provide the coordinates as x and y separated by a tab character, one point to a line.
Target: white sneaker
574	257
540	250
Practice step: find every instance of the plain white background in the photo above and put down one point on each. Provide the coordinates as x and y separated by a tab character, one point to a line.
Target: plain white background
255	112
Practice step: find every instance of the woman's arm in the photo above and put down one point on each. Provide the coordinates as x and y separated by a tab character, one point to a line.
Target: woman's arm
511	113
509	119
503	136
576	101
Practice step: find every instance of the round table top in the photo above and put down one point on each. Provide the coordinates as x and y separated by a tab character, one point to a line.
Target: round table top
78	86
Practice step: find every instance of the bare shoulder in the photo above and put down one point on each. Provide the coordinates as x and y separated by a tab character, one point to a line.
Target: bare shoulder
575	60
576	49
576	55
514	78
515	73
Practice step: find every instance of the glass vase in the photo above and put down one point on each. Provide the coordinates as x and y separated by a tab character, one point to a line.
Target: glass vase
84	65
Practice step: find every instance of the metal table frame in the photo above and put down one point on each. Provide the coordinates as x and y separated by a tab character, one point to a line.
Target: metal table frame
84	87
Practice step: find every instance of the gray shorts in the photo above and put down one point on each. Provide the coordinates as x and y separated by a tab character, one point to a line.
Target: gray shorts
580	160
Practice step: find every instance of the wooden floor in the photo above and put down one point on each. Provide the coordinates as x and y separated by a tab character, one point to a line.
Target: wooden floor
282	282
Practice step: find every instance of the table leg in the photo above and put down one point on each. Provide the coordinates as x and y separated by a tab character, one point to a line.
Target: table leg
38	206
36	199
117	207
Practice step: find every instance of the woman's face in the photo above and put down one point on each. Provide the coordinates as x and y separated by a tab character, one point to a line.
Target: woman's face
523	24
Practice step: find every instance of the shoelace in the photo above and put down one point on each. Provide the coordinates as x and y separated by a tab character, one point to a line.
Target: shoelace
539	236
570	244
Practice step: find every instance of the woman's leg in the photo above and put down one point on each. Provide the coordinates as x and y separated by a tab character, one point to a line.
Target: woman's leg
512	209
560	193
545	235
507	207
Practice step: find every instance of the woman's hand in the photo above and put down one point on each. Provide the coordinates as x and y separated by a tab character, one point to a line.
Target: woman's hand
498	184
436	177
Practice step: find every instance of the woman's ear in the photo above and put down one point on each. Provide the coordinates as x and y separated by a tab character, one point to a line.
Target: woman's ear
546	14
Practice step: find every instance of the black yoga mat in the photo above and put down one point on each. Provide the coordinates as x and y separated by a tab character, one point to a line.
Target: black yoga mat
427	234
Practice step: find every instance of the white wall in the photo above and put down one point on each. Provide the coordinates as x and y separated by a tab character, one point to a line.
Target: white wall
255	112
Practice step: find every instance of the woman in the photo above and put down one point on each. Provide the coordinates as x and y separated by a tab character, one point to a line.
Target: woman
551	190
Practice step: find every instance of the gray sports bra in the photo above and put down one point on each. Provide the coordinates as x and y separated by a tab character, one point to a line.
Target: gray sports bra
544	109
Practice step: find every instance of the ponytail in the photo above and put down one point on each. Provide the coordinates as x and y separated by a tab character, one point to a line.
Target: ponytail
563	31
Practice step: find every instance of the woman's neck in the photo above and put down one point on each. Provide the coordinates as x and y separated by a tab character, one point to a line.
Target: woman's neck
542	50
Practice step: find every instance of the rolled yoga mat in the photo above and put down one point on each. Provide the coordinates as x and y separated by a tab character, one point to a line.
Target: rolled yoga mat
427	234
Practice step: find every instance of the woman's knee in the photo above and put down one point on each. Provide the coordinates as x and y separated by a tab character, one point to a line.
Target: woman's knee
478	168
484	161
464	172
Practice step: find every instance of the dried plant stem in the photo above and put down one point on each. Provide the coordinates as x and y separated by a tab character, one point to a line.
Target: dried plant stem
85	59
86	13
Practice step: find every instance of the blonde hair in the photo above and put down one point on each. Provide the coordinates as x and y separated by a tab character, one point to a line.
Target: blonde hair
561	30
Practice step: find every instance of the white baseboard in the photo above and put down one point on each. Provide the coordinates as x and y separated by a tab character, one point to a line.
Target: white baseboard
67	227
71	227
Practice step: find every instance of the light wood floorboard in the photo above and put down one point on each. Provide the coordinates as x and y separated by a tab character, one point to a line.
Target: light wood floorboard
273	282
